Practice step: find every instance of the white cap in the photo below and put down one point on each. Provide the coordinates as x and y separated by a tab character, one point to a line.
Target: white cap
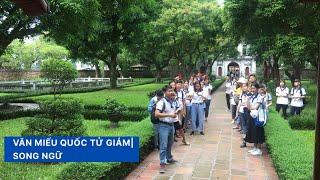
242	80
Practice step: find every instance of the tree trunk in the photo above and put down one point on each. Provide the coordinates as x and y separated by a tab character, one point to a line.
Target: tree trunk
98	71
113	70
275	71
158	75
316	165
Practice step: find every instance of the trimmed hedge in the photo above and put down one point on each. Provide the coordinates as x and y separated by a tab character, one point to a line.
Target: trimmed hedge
18	114
112	171
306	121
130	115
291	155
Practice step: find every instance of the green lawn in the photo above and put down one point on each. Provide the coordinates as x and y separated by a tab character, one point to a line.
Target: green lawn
131	96
307	136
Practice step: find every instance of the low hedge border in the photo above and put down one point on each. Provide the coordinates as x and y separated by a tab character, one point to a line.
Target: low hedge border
18	114
112	170
291	156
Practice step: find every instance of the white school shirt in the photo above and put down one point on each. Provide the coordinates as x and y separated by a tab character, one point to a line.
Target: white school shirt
188	102
181	96
296	93
243	99
196	97
280	92
206	91
169	109
191	88
233	89
254	99
228	87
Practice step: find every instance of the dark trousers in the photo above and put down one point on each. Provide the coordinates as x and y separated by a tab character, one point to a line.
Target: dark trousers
284	108
228	100
295	110
206	110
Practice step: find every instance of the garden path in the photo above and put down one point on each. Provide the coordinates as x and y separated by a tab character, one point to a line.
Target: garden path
216	155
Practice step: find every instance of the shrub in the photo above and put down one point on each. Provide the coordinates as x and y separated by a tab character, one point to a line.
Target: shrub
134	115
291	155
95	114
59	73
113	171
61	116
305	121
114	111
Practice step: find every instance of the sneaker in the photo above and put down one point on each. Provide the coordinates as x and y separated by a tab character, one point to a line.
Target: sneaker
185	143
252	150
235	127
201	133
172	161
232	122
257	152
162	168
192	133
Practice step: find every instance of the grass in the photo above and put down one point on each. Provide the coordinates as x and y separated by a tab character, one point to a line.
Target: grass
291	151
40	171
131	96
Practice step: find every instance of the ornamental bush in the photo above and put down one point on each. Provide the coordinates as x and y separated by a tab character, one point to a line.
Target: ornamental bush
114	111
61	117
306	121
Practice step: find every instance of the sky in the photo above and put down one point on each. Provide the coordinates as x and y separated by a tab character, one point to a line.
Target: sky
220	2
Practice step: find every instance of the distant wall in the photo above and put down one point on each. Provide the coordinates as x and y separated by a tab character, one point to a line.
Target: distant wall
6	75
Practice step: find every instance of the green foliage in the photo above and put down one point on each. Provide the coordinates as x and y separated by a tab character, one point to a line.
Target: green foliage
59	117
59	73
291	154
114	110
306	121
21	56
18	113
112	170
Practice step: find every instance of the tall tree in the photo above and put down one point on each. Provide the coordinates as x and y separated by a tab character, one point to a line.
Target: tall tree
112	24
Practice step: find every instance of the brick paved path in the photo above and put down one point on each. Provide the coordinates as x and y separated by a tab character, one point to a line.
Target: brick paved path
216	155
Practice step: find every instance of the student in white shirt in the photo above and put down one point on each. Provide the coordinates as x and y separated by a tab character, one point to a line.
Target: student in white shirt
167	116
207	90
187	117
181	98
228	91
282	93
197	109
297	95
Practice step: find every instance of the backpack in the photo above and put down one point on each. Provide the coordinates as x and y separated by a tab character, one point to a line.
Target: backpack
153	117
261	117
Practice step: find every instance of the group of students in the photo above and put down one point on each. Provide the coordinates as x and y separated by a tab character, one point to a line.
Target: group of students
249	102
175	108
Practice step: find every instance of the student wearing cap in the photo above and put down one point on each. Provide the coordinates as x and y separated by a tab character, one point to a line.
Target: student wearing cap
297	95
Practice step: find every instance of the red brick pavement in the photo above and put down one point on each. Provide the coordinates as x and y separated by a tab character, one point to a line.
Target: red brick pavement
216	155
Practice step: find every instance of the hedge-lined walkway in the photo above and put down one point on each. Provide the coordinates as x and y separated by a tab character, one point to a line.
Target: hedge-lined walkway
217	155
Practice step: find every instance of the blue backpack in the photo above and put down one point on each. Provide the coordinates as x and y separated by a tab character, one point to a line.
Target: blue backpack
262	116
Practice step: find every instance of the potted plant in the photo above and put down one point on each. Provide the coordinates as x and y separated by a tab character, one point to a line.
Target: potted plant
114	111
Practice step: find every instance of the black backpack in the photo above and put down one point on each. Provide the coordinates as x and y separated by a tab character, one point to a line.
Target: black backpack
153	117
